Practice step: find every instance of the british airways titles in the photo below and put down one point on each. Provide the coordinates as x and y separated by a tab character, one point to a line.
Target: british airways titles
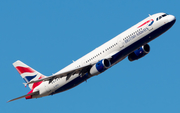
135	34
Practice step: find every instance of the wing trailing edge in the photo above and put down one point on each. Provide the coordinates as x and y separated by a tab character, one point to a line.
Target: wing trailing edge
31	94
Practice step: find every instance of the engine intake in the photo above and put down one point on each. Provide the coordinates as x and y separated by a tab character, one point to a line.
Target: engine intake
139	53
100	67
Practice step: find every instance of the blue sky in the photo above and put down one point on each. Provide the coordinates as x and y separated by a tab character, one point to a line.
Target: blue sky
48	35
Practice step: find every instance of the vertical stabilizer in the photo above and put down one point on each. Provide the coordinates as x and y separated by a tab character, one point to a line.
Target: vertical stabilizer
28	73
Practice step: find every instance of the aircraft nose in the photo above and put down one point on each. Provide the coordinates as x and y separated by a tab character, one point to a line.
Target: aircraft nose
171	18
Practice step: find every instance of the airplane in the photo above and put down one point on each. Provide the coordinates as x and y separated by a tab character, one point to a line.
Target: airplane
131	43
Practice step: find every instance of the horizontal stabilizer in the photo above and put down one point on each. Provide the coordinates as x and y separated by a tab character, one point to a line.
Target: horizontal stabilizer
34	93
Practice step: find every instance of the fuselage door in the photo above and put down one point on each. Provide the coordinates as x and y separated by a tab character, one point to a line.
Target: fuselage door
121	43
150	28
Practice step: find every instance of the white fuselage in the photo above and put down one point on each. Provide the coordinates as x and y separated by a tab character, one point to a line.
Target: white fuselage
120	46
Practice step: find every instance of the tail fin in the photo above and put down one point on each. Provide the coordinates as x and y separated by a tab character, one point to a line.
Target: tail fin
28	73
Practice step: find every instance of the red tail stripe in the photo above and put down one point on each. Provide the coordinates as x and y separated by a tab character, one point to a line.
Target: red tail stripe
34	85
22	70
37	83
30	96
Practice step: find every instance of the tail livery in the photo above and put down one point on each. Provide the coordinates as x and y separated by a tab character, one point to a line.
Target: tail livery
28	74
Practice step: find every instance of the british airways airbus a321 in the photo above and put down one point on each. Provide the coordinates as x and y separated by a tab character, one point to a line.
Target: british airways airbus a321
131	43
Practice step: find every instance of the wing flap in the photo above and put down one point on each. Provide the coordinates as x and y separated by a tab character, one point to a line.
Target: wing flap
79	70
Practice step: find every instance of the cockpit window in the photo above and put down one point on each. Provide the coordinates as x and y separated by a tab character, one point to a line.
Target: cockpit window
164	15
161	17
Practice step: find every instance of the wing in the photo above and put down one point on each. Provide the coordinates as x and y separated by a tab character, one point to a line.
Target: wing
81	70
34	93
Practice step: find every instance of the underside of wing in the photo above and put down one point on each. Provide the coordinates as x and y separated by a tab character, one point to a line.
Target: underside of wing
31	94
81	70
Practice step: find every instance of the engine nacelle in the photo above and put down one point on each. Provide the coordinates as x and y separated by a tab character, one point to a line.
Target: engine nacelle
100	67
139	53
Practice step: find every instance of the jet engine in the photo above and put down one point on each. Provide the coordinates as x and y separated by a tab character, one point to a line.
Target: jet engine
139	53
99	67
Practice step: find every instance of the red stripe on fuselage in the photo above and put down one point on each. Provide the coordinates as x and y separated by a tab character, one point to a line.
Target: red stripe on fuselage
145	23
22	70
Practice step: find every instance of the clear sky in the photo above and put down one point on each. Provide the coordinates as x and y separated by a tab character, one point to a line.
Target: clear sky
48	34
